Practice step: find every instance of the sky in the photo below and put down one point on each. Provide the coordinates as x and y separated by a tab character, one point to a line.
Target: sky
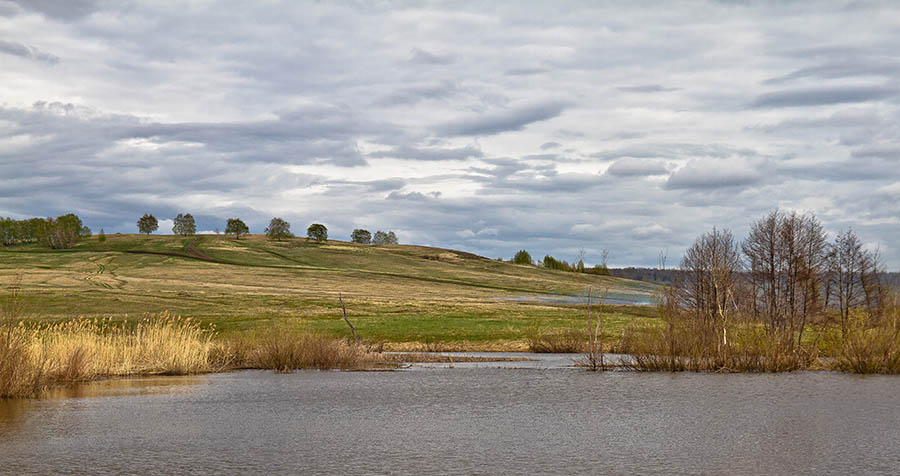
489	127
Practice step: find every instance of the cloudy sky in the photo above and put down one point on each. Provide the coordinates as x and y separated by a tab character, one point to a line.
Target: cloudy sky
481	126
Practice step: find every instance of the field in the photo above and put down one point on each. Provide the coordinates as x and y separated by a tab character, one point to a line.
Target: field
408	297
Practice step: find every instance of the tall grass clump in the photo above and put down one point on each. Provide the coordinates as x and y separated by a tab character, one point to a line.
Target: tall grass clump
564	342
871	345
34	358
689	345
285	351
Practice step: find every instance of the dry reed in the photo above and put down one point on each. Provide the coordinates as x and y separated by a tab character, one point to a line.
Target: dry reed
871	347
285	351
35	358
566	342
692	345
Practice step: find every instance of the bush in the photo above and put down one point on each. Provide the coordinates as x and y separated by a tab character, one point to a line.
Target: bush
102	236
522	257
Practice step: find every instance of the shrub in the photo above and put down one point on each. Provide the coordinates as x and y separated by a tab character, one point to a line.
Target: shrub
522	257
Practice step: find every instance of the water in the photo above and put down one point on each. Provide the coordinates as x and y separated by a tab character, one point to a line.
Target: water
470	419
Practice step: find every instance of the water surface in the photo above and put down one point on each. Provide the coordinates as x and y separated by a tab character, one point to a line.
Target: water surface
461	420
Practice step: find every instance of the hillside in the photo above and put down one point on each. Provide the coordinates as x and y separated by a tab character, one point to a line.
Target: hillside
397	293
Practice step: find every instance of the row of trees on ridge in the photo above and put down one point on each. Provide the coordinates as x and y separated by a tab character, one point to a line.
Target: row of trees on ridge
278	229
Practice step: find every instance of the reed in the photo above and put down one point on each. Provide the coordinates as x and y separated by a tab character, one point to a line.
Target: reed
568	341
685	344
35	358
284	350
871	346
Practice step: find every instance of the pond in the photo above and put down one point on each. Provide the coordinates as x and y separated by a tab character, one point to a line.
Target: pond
534	417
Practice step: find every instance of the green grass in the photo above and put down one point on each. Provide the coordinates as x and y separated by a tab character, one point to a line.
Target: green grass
399	294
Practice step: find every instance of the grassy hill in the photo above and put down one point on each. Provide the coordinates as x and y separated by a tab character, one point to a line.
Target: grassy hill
402	294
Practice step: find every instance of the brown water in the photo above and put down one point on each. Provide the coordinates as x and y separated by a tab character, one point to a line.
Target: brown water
471	420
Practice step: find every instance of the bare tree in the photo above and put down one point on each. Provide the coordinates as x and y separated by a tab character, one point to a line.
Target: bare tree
710	279
854	279
785	254
593	310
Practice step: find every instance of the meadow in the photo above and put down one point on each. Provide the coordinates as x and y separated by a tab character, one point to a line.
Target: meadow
401	297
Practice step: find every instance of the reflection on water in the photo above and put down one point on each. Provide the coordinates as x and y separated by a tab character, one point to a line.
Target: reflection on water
467	421
128	386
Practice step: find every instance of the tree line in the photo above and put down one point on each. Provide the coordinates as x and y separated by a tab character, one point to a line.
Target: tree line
522	257
64	231
57	233
784	274
278	229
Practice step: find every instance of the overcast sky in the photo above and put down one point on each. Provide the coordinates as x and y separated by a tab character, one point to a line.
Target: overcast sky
483	126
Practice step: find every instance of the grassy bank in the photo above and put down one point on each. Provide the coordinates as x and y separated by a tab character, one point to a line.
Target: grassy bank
408	297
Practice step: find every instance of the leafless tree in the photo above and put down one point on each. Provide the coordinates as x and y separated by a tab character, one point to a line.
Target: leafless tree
854	277
785	254
710	278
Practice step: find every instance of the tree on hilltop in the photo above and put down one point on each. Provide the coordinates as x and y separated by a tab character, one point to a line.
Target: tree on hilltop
147	224
236	227
384	238
279	229
184	225
522	257
317	231
361	236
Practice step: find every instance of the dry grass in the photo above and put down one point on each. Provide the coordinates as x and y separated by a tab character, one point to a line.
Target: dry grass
83	349
284	351
871	347
565	342
690	345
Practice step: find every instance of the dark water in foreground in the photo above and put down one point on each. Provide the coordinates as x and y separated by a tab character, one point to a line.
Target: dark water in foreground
464	420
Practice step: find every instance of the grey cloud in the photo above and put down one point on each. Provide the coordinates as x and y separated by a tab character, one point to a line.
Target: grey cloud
823	96
415	196
417	153
550	145
415	94
525	71
646	88
674	151
504	120
846	67
716	173
18	49
637	168
887	151
420	56
61	10
872	168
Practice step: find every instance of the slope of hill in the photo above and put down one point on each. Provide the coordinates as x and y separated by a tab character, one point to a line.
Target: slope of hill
398	293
